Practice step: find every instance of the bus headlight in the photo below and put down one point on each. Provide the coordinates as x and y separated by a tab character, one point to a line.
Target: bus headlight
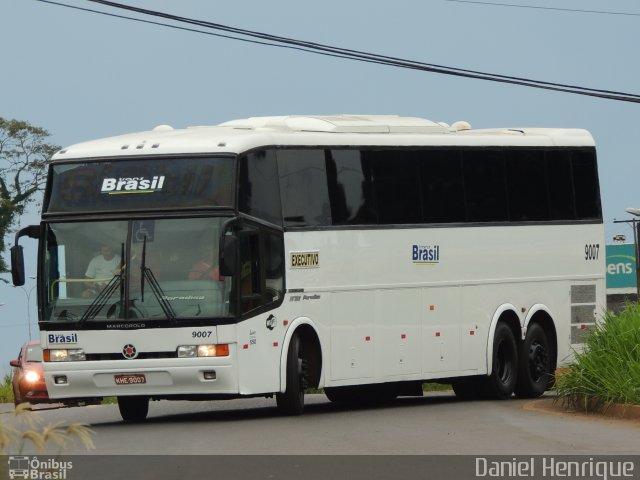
192	351
64	355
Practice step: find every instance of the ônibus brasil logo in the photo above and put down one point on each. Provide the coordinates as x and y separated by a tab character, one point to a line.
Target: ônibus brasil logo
38	469
115	186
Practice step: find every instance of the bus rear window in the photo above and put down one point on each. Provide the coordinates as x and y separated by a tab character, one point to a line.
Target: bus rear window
141	184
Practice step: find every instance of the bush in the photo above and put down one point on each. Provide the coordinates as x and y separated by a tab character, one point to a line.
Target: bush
6	392
608	369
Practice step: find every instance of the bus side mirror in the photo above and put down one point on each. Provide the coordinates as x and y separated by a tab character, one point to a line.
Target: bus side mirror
17	265
17	256
14	363
228	256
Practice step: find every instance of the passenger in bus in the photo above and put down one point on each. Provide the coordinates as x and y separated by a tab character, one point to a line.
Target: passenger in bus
206	268
101	269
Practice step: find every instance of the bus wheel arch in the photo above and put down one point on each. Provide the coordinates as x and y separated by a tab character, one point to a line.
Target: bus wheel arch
537	355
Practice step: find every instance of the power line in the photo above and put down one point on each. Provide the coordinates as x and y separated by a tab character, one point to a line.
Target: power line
193	30
321	49
537	7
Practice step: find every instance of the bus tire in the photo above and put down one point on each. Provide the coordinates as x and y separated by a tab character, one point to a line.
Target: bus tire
291	401
534	370
502	382
133	409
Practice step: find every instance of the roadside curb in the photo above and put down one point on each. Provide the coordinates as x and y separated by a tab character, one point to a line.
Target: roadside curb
613	410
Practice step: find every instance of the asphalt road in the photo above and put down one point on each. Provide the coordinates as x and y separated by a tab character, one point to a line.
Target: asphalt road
435	424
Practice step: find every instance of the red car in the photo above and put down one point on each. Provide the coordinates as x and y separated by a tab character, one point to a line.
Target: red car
28	380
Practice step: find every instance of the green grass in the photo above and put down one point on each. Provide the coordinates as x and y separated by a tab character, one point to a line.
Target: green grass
6	391
436	387
608	370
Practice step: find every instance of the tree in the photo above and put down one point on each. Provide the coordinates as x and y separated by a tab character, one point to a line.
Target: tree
24	154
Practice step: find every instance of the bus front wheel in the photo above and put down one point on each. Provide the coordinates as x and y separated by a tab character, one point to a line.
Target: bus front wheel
133	409
291	401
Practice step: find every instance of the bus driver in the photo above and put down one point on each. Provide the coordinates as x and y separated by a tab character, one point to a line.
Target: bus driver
101	269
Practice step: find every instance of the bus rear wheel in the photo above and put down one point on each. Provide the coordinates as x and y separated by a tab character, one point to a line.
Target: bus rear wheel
291	401
534	373
133	409
504	374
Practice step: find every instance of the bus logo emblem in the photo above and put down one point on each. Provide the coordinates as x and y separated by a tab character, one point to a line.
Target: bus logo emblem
19	467
271	322
129	351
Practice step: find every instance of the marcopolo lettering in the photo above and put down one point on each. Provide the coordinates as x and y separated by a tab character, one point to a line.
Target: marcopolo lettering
305	259
132	185
426	254
56	338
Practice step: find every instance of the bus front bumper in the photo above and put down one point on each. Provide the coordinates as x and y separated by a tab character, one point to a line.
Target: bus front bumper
155	378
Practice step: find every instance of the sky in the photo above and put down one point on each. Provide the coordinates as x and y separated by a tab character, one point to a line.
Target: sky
84	76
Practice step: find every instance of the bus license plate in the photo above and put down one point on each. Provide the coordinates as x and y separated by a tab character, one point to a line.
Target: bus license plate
130	379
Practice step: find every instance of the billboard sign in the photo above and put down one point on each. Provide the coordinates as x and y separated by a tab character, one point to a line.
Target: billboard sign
621	272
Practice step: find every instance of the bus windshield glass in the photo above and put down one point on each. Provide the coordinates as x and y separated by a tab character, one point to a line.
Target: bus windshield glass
157	183
123	270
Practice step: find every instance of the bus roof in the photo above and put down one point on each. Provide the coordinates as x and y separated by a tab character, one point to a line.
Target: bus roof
238	136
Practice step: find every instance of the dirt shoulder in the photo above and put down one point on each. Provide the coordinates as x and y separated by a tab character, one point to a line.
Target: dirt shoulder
616	412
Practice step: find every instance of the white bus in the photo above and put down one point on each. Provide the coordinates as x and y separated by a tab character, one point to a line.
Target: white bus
360	254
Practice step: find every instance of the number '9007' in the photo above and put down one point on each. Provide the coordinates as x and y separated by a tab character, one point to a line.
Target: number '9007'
591	251
201	334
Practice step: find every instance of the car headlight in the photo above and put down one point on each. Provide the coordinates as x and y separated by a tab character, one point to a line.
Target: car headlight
64	355
31	376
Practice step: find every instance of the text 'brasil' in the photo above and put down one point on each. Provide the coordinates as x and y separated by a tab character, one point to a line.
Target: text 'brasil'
132	185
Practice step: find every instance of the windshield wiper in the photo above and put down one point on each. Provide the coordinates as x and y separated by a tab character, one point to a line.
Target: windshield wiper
102	299
156	289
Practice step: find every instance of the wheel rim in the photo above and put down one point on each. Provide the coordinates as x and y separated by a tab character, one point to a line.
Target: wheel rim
538	360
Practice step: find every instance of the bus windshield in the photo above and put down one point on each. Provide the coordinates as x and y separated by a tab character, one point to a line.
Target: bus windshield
122	270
